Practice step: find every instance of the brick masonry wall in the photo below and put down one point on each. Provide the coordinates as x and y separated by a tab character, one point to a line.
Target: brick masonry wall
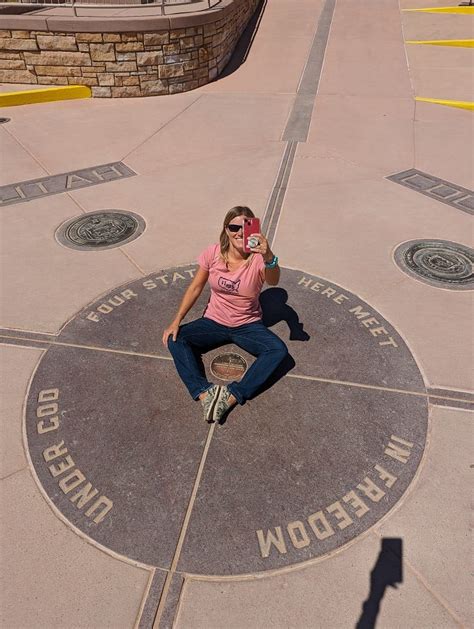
125	64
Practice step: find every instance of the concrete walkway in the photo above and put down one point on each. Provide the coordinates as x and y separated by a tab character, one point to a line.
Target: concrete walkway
305	132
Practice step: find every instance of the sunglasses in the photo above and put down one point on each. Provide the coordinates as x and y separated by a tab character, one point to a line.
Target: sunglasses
234	228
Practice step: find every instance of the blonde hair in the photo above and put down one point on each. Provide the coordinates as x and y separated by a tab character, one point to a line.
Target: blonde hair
238	210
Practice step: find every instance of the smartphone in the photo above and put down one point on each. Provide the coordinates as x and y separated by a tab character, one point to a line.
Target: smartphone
251	226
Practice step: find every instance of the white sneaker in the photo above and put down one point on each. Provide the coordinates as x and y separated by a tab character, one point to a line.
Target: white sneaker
222	405
209	402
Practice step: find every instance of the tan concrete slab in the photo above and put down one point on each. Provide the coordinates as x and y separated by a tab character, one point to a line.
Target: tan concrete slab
316	165
257	74
15	162
425	56
60	579
328	594
374	133
283	41
362	60
431	112
434	520
371	22
443	137
318	224
347	232
437	25
16	366
437	324
46	282
370	68
280	18
184	206
93	131
444	83
215	126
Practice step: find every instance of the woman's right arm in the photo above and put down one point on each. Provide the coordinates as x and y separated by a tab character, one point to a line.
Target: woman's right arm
188	301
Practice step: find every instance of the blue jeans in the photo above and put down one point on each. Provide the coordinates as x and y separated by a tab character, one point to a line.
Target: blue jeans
202	335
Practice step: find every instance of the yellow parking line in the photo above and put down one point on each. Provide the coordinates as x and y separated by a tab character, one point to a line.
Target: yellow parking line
464	10
449	103
462	43
44	95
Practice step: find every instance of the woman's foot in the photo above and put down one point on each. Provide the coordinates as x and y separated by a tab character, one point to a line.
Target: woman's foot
208	401
225	401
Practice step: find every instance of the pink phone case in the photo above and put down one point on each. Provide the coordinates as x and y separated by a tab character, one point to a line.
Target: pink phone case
251	226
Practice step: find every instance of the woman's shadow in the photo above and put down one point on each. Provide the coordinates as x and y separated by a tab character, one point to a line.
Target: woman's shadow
275	308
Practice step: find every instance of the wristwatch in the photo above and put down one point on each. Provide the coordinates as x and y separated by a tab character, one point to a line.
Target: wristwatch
272	264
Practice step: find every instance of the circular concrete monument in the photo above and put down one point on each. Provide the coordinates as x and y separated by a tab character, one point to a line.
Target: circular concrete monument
314	460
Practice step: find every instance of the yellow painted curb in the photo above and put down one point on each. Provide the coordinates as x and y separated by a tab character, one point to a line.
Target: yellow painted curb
27	97
462	43
463	10
449	103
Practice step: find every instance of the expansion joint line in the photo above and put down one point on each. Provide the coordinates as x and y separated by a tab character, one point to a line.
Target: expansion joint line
429	394
33	341
184	528
277	196
299	120
165	124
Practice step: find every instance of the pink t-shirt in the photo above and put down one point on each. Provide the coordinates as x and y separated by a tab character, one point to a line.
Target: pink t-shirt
234	294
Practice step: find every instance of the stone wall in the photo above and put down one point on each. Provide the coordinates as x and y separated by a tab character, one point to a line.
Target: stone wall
120	64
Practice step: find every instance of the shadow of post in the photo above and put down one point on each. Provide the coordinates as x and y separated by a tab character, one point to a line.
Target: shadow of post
387	572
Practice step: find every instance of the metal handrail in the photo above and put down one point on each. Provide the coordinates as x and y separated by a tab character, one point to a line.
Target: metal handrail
90	4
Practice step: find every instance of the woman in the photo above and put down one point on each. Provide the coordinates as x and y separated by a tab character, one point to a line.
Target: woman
233	315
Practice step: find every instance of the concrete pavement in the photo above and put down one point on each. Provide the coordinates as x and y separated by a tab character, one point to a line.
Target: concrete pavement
341	72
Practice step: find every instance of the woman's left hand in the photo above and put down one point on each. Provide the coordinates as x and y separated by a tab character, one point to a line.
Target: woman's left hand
263	247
